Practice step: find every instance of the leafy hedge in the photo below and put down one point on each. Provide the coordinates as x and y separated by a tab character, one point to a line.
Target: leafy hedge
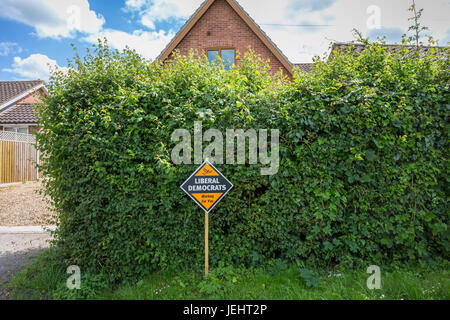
363	173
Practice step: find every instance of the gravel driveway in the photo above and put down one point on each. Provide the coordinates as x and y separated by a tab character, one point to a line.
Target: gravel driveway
22	205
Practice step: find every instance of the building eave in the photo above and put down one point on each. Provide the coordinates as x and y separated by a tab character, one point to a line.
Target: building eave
3	124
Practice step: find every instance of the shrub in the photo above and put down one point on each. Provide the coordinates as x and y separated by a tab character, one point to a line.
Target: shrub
368	157
220	282
363	174
91	286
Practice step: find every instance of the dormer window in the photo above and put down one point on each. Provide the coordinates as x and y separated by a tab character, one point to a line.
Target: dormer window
227	56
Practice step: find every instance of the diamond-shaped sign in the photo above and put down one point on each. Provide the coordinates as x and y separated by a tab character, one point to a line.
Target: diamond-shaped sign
207	186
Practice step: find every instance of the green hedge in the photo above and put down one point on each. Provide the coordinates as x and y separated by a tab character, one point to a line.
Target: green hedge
363	175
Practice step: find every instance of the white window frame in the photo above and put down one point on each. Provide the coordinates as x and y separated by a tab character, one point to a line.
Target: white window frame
17	126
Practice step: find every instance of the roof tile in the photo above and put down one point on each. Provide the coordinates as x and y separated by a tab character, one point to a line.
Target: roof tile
305	67
12	89
358	47
20	113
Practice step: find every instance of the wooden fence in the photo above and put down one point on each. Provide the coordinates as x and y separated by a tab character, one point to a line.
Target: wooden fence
18	157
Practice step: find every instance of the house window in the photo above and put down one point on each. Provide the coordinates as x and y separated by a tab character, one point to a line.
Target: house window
16	129
227	56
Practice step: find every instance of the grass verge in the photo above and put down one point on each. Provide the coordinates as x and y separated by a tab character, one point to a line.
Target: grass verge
46	279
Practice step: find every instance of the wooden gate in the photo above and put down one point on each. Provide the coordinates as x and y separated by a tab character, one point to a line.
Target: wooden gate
18	157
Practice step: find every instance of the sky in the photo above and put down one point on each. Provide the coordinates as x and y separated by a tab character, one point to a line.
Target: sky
36	35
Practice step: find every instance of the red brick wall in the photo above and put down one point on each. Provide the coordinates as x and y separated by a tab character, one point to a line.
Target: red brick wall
32	98
33	129
221	26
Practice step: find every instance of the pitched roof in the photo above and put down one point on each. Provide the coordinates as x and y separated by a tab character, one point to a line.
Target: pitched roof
305	67
359	47
19	114
244	16
11	89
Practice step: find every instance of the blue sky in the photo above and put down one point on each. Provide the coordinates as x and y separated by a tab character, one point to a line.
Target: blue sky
39	33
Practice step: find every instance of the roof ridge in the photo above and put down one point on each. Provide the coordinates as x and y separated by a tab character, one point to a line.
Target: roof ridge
21	80
387	44
182	28
262	31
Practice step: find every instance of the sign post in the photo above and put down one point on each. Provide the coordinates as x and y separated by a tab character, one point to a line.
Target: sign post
206	243
207	187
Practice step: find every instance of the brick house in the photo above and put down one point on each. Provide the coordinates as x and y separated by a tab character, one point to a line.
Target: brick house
17	105
221	28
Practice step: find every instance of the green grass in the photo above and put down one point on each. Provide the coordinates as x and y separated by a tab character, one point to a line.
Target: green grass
287	285
40	279
45	279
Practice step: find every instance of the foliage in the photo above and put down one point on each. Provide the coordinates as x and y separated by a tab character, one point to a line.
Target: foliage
219	282
309	277
91	286
227	282
405	283
363	173
416	27
41	278
370	160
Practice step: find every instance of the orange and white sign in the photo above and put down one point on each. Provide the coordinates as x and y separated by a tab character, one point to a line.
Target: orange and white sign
207	186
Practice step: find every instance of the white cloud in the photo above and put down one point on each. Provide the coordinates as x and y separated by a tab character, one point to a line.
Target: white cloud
134	4
300	28
305	28
147	43
391	35
310	5
153	11
53	19
7	48
282	20
446	39
36	66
